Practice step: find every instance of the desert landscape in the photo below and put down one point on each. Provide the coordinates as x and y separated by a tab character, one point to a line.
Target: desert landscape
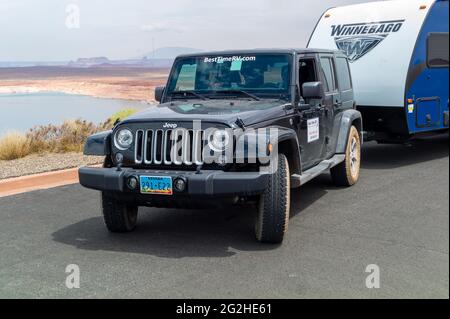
17	154
119	82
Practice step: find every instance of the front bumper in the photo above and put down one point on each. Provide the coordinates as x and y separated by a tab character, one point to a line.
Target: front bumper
207	182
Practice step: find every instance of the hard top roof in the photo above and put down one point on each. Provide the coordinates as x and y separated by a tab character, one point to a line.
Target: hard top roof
260	51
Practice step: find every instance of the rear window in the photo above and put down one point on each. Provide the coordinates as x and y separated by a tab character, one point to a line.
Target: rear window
343	74
438	55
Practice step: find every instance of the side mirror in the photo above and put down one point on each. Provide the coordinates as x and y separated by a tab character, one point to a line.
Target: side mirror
159	91
313	90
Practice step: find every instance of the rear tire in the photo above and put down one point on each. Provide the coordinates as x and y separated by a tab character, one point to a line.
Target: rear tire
274	204
347	173
119	217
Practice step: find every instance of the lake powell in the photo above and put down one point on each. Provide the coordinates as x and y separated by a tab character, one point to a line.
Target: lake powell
20	112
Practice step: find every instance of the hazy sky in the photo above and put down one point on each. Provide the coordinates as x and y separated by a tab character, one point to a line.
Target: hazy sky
48	30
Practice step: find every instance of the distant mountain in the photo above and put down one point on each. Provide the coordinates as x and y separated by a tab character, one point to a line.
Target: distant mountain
24	64
160	58
88	62
105	63
170	52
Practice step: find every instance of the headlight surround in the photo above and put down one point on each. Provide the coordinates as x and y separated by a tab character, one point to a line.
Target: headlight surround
123	139
219	141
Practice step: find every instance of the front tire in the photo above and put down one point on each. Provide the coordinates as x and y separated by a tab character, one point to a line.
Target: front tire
274	204
119	217
347	173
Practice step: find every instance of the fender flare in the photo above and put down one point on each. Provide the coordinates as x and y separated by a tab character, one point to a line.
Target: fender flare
349	118
98	144
289	145
286	142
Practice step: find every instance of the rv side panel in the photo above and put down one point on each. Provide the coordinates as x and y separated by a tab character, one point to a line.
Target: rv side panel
379	39
428	78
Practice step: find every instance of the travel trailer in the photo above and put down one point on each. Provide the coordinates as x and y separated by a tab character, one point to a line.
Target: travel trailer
399	55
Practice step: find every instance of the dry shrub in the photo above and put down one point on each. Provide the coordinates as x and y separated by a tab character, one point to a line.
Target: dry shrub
14	145
68	137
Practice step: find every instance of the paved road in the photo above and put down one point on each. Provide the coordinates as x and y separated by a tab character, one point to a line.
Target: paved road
397	217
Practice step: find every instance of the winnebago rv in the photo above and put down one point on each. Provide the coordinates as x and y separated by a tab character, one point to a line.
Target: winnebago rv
399	54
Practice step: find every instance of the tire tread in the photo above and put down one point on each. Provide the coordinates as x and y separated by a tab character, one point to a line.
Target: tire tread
115	215
274	207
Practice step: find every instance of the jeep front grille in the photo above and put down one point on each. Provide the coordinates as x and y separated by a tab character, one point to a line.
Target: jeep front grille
169	147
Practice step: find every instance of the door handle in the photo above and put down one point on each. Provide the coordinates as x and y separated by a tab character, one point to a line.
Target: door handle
337	104
322	110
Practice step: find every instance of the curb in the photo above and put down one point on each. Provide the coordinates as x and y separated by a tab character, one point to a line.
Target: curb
19	185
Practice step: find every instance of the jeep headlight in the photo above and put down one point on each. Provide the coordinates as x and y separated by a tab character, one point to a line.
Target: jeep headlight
219	140
123	139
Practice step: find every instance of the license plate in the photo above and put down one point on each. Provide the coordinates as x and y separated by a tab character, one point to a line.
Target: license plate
161	185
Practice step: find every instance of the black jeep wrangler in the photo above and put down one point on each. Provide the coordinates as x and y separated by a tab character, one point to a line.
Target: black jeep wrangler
232	127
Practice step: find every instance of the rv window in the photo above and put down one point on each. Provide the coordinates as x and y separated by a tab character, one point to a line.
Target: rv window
343	74
437	55
327	73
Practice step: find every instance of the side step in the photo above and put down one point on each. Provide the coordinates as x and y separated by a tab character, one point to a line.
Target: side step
306	176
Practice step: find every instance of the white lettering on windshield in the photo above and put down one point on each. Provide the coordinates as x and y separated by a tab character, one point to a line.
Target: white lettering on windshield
221	59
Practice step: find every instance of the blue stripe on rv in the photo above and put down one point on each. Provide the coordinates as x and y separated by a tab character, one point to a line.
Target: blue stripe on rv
428	86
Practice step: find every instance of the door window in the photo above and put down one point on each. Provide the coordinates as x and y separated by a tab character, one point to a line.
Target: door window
307	72
328	74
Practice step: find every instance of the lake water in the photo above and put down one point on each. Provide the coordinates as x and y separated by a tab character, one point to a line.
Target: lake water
21	112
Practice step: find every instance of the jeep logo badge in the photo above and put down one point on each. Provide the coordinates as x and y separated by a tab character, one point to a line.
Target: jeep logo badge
356	40
170	125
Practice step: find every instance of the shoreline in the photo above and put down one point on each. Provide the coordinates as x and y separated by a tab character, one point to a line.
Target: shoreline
23	90
125	84
114	83
10	91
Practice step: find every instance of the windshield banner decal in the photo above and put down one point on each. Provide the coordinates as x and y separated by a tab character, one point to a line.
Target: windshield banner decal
221	59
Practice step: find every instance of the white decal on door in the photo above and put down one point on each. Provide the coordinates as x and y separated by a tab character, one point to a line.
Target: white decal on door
313	130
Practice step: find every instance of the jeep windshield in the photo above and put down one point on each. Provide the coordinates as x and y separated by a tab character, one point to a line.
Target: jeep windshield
246	76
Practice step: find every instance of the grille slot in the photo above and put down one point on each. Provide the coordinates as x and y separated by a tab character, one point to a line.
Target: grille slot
139	146
158	147
169	147
148	149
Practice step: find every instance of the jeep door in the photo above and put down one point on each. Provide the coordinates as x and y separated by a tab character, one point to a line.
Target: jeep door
332	103
344	101
312	123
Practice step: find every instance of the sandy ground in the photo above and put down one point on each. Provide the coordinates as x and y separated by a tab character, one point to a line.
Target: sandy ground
118	83
34	164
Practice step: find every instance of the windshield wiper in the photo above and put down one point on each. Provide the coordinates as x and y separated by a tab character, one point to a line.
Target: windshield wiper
254	97
185	93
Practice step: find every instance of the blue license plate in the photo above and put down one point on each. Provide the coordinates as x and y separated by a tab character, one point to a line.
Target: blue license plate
161	185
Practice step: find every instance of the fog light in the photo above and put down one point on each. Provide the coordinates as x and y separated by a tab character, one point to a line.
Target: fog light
132	182
179	184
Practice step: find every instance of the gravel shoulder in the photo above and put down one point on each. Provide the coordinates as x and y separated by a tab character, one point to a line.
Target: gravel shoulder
42	163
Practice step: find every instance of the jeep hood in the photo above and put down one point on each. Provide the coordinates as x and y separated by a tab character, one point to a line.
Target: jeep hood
220	111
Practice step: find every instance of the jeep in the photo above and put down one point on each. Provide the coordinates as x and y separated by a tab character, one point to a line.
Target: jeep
232	127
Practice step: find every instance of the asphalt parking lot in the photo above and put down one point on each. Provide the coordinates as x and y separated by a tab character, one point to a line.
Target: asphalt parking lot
397	217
